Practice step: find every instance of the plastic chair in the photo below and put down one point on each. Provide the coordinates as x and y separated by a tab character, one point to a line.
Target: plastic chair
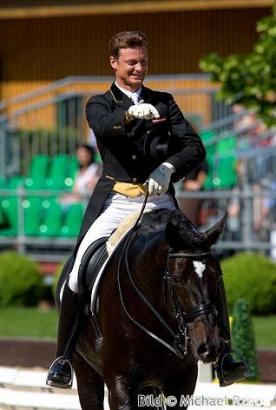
9	208
57	172
52	218
37	173
32	215
72	168
73	221
226	175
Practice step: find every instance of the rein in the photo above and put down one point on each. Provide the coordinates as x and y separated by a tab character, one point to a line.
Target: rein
181	339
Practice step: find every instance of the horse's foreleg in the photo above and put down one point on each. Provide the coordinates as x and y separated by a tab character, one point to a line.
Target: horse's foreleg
180	391
122	394
90	385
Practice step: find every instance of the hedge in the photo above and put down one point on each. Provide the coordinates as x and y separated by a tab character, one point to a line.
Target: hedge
251	276
21	281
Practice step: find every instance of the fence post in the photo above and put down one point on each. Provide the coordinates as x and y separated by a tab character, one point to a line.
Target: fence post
21	240
246	209
3	146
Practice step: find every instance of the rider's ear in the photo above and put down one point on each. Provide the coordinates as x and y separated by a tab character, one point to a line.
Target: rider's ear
173	236
213	233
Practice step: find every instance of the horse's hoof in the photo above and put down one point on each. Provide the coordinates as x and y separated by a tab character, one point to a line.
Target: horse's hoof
60	374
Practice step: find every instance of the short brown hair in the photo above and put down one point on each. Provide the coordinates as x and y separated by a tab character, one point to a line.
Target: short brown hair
126	39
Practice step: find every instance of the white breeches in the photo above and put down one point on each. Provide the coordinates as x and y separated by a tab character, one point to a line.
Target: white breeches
116	208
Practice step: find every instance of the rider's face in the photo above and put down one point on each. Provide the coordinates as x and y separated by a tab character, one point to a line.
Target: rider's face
130	67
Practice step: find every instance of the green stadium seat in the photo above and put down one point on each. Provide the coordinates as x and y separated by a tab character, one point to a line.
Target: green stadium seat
2	183
73	220
226	144
72	168
9	206
15	182
52	218
37	173
209	139
32	215
57	172
225	176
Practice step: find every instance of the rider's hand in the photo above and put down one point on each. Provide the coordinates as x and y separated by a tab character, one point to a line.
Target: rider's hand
142	111
159	179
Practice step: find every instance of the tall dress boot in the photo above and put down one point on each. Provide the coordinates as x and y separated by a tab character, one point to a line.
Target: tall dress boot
228	370
61	372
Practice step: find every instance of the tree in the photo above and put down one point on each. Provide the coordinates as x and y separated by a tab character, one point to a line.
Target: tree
243	339
249	80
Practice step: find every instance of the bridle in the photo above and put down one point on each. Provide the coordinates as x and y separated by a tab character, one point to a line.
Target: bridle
184	318
179	346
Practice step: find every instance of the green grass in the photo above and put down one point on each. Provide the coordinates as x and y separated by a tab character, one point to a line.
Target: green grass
38	323
265	330
28	322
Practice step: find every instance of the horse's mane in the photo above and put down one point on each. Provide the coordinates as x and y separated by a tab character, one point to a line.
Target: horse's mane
166	219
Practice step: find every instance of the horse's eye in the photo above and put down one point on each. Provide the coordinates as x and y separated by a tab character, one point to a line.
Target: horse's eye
177	280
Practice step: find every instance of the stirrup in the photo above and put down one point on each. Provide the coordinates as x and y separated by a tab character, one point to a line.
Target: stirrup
242	373
60	373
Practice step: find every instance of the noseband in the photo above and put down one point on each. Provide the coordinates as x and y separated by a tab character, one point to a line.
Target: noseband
184	318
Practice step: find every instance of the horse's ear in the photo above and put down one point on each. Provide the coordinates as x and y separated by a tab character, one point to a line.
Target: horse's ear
213	233
172	235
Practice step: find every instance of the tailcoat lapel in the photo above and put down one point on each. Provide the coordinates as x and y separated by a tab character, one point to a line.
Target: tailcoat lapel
120	98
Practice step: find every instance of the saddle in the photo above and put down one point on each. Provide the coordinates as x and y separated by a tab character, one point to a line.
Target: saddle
92	268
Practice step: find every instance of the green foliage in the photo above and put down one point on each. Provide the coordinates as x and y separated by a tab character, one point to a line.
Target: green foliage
249	80
20	280
56	276
251	276
243	340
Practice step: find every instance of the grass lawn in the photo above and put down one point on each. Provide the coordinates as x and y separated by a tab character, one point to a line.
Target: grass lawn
39	323
28	322
265	330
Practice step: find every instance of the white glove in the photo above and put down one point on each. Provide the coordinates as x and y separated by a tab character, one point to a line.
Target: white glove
159	179
142	111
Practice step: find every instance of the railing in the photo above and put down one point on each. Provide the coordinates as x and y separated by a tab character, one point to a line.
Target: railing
51	119
245	230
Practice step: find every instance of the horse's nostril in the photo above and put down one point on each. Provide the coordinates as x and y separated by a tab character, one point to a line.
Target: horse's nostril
203	350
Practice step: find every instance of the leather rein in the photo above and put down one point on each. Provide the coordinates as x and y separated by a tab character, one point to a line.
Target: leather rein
180	343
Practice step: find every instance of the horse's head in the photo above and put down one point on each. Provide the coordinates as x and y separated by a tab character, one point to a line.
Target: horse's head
192	277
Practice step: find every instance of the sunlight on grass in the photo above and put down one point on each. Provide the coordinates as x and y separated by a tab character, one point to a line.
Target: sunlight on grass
264	327
28	322
42	323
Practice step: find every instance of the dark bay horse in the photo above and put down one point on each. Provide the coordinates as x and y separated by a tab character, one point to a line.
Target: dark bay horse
157	315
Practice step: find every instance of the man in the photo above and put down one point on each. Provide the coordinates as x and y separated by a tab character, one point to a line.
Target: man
145	144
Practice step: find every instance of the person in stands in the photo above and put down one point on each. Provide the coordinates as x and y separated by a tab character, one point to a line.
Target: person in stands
86	177
145	144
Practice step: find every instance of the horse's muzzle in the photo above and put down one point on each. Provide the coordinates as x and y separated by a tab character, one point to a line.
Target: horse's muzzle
209	352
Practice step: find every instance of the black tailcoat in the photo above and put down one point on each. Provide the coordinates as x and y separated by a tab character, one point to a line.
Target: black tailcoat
131	152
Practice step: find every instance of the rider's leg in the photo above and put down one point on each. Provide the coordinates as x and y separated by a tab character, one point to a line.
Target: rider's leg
61	372
228	370
117	207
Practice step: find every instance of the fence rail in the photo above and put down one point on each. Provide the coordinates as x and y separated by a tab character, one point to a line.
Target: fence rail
251	228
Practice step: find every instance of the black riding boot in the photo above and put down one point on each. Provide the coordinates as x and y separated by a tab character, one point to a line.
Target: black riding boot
228	370
61	372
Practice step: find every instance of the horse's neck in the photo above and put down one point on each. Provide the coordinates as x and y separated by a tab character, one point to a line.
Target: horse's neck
150	266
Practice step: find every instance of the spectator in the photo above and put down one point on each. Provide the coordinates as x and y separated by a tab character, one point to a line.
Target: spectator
194	181
86	178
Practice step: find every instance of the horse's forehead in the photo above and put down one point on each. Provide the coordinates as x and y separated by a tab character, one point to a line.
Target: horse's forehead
199	268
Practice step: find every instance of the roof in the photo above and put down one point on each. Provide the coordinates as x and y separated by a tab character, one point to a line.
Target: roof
56	8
